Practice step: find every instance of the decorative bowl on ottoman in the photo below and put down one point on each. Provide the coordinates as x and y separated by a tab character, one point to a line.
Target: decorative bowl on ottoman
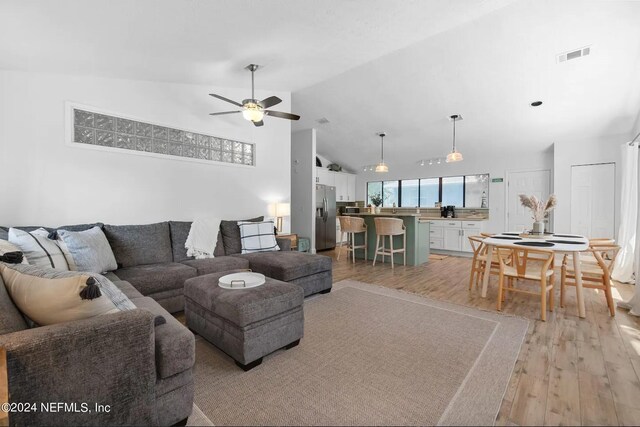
247	324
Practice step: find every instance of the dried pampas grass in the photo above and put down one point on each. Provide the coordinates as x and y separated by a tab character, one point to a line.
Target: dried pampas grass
539	209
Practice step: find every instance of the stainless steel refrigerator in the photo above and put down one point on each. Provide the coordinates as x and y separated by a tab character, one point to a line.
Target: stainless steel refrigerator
325	217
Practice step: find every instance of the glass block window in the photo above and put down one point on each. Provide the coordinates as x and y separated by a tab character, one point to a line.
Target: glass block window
111	131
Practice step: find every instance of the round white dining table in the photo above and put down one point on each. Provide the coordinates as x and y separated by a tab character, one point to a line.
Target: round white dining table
513	241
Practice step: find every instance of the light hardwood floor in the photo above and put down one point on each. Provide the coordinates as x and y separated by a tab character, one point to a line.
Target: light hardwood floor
570	371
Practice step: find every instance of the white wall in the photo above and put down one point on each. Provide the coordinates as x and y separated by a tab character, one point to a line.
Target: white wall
581	152
303	187
48	182
496	163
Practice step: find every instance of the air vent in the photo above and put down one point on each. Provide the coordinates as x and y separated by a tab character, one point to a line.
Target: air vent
323	121
574	54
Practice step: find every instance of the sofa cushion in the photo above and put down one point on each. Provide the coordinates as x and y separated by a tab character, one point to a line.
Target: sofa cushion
152	278
10	318
231	235
49	296
179	233
217	264
140	244
89	250
287	266
243	307
175	344
39	249
127	289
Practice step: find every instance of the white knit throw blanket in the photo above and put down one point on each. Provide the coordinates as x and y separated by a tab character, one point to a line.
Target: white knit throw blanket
203	237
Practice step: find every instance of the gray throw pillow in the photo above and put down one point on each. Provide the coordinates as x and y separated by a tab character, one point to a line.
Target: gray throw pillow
89	249
231	235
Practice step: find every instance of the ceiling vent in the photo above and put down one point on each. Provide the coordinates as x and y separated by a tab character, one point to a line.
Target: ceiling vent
323	121
574	54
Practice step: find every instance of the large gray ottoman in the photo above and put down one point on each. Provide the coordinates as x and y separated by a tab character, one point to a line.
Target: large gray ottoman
246	324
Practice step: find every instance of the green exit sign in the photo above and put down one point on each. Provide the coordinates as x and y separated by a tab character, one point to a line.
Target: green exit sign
497	180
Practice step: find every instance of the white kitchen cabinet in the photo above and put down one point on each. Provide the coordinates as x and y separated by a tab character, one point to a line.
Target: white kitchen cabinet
453	234
325	177
351	188
341	186
452	238
345	183
466	233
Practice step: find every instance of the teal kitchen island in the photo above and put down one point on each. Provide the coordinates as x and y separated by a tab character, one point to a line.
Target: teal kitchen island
417	238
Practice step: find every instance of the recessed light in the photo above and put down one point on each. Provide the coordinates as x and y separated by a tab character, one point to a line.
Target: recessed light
536	103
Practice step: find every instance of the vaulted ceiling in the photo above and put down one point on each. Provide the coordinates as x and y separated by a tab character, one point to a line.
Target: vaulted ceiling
365	65
489	71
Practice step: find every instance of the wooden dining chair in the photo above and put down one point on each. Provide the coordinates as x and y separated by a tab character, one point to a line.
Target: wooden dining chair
520	268
594	276
487	234
479	260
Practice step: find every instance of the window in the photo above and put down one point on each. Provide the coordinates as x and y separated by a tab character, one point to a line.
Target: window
410	190
390	193
429	192
476	191
453	191
470	191
373	188
95	129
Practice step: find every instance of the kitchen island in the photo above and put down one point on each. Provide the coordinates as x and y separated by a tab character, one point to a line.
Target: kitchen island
417	238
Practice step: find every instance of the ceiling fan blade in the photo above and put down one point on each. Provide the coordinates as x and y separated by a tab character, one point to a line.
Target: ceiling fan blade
270	101
282	115
257	124
226	99
224	112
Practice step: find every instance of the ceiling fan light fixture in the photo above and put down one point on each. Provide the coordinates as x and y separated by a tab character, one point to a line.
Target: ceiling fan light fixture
253	112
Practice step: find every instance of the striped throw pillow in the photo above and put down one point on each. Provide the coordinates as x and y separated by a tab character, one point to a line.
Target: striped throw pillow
39	249
257	237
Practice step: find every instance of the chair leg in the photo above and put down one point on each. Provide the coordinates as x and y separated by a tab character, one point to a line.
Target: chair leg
500	291
366	243
473	272
543	299
391	249
552	282
404	248
341	245
607	294
375	254
563	280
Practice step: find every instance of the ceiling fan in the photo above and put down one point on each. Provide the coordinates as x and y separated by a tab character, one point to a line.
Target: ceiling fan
252	109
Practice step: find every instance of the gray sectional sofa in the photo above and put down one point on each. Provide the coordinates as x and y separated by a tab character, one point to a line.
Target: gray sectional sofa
143	371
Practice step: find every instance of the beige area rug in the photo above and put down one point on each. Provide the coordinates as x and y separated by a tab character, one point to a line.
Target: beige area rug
370	356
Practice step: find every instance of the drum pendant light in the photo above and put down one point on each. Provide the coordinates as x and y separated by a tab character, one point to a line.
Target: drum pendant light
382	166
454	156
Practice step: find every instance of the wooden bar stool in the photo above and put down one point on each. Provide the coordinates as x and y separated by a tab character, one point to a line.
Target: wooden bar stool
352	226
390	227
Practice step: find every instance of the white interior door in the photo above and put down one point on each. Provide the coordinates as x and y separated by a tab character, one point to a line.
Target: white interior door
592	200
529	183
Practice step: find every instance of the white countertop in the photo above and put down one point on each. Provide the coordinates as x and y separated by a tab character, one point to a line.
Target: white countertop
382	214
439	218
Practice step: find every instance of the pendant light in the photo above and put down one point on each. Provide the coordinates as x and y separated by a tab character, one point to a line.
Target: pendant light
454	156
382	166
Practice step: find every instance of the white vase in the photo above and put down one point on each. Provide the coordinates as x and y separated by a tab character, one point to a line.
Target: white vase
378	209
538	227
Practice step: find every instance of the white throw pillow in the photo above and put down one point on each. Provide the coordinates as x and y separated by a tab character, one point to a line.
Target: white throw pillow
6	247
39	249
48	296
89	249
257	237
